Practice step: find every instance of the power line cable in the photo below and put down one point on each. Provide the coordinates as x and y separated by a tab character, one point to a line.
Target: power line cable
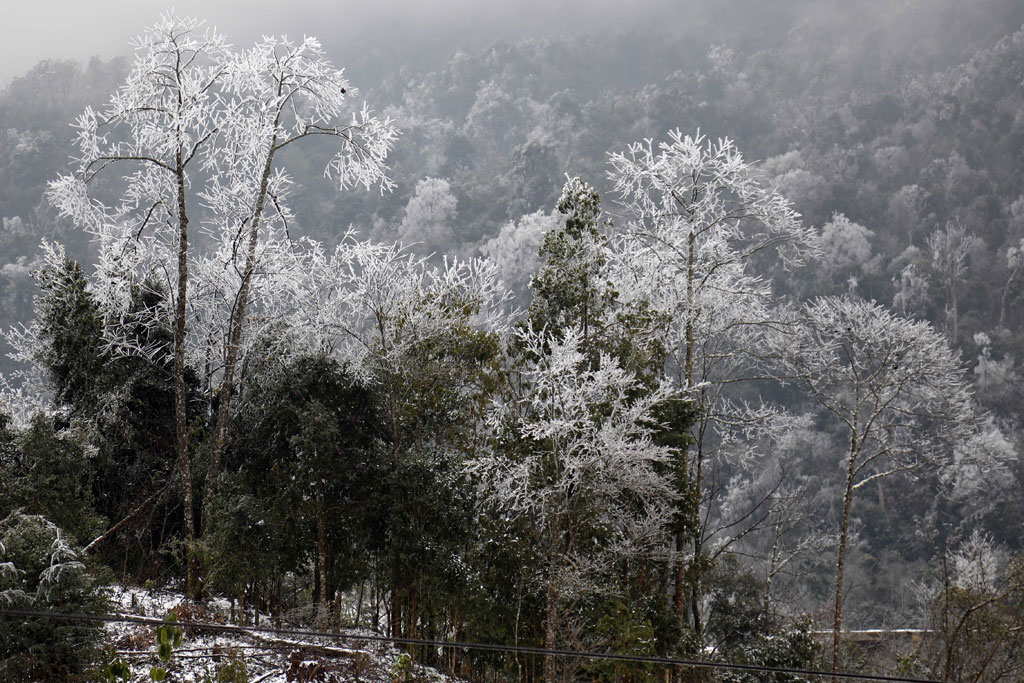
491	647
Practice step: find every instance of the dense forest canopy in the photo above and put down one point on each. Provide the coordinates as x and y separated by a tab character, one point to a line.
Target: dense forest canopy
700	334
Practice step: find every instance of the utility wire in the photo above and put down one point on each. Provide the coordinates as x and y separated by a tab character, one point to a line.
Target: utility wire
491	647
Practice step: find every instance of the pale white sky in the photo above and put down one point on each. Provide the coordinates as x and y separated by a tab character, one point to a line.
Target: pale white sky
31	30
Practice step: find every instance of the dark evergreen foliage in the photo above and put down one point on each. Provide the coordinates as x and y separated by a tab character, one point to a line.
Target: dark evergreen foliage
305	450
40	571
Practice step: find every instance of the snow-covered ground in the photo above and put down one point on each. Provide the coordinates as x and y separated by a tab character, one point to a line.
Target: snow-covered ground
206	655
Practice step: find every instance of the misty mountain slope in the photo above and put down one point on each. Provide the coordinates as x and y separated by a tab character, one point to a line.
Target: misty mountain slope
843	119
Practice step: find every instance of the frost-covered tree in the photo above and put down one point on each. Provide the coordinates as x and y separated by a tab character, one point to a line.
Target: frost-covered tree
976	620
120	408
199	125
574	287
583	466
950	248
697	216
41	570
64	341
280	93
405	324
514	250
911	295
50	473
799	182
777	501
906	207
995	377
429	216
845	245
571	287
370	303
1014	266
426	339
892	385
158	128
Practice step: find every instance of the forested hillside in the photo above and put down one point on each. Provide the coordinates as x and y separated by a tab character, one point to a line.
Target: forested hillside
702	342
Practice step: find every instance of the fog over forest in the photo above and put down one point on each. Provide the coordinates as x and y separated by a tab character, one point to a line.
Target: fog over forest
689	330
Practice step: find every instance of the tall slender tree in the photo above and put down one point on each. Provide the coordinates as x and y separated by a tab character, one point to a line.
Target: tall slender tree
697	217
951	247
159	125
279	93
894	387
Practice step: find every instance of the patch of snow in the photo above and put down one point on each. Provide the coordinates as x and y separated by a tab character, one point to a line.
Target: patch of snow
268	657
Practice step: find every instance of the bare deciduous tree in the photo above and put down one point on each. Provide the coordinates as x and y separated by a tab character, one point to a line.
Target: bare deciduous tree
195	114
892	384
278	93
697	215
950	248
160	125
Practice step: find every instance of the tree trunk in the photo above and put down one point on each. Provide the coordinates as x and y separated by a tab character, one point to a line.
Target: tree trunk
454	653
413	618
837	623
255	603
395	613
1002	299
679	576
375	623
691	274
955	314
552	614
550	629
323	616
698	548
359	603
192	586
679	595
772	567
237	325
